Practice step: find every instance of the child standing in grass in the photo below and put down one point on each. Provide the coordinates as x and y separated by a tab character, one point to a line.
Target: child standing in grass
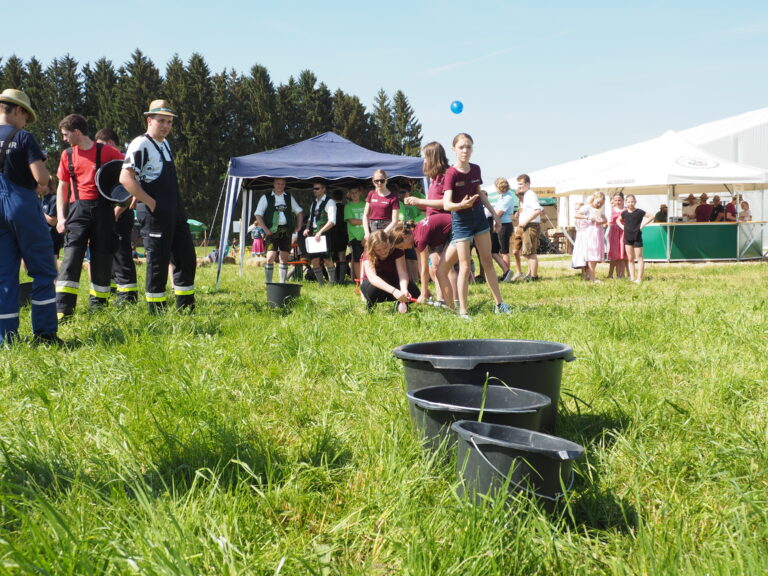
632	221
594	240
464	199
617	256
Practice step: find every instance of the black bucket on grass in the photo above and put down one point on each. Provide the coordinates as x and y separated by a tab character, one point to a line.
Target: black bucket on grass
492	456
534	365
435	408
280	295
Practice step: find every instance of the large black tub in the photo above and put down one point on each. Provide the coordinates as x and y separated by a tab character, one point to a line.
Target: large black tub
434	409
492	456
533	365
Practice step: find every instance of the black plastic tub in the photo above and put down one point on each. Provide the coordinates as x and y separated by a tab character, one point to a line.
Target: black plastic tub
492	457
435	408
280	295
534	365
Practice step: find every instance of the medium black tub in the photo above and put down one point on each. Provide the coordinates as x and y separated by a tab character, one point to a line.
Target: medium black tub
534	365
280	295
491	456
435	408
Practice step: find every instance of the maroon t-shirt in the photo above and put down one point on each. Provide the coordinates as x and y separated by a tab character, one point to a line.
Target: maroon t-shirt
387	268
731	209
436	192
434	230
380	207
461	184
703	212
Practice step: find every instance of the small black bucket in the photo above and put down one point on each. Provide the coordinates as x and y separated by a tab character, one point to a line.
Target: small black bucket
491	456
534	365
279	295
434	409
25	294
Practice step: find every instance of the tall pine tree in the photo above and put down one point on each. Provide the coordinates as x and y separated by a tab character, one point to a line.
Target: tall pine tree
382	124
407	131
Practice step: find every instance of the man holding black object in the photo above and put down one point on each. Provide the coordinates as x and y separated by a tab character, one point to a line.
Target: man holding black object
322	217
149	175
84	217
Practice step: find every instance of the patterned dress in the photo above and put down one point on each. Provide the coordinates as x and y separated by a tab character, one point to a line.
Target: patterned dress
615	237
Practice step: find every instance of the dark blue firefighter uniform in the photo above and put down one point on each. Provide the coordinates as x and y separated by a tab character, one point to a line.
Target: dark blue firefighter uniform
23	234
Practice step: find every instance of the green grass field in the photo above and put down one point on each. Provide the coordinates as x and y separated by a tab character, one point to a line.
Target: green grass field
243	440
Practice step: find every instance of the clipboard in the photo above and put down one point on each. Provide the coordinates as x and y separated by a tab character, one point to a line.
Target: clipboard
316	246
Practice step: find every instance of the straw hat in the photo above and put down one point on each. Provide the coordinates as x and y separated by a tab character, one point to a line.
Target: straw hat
161	107
690	198
703	196
20	99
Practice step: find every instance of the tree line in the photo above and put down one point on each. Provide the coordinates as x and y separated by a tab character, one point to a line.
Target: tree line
219	115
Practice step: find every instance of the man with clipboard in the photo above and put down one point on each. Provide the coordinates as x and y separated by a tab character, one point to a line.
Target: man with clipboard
322	217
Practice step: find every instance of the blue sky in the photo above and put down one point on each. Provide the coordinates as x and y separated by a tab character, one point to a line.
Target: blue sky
542	82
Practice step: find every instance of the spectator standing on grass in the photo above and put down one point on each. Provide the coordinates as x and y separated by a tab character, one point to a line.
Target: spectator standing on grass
84	217
48	204
633	220
504	208
579	255
23	231
321	219
280	216
617	256
530	223
594	239
123	266
382	207
340	239
353	216
149	175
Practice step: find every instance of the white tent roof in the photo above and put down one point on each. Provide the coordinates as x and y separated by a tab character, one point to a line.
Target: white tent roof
711	131
651	166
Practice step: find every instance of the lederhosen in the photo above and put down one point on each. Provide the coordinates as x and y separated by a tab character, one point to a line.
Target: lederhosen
123	266
167	238
90	225
317	219
25	235
281	235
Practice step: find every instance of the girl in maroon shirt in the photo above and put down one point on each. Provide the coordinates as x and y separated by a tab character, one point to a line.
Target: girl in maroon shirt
382	208
385	275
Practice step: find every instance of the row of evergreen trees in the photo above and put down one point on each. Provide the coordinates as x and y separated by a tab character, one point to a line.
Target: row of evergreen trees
220	115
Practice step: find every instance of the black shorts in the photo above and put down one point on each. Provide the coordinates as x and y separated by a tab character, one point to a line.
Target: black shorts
506	233
357	249
410	254
495	246
280	240
634	240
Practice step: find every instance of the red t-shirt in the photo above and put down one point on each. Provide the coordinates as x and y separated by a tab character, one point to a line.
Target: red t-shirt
462	184
703	212
387	268
434	230
730	209
380	207
84	162
436	192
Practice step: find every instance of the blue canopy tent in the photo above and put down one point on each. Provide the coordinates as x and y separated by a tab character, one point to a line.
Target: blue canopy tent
328	158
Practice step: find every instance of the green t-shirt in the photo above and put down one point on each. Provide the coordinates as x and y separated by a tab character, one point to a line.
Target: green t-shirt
354	210
410	213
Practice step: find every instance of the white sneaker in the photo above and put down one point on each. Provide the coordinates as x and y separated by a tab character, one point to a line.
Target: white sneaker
465	317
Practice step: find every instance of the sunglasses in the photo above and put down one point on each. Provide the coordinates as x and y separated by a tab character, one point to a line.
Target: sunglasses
316	188
380	181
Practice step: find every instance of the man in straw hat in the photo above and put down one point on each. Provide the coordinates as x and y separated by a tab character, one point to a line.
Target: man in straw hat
689	208
150	176
23	230
703	210
84	217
